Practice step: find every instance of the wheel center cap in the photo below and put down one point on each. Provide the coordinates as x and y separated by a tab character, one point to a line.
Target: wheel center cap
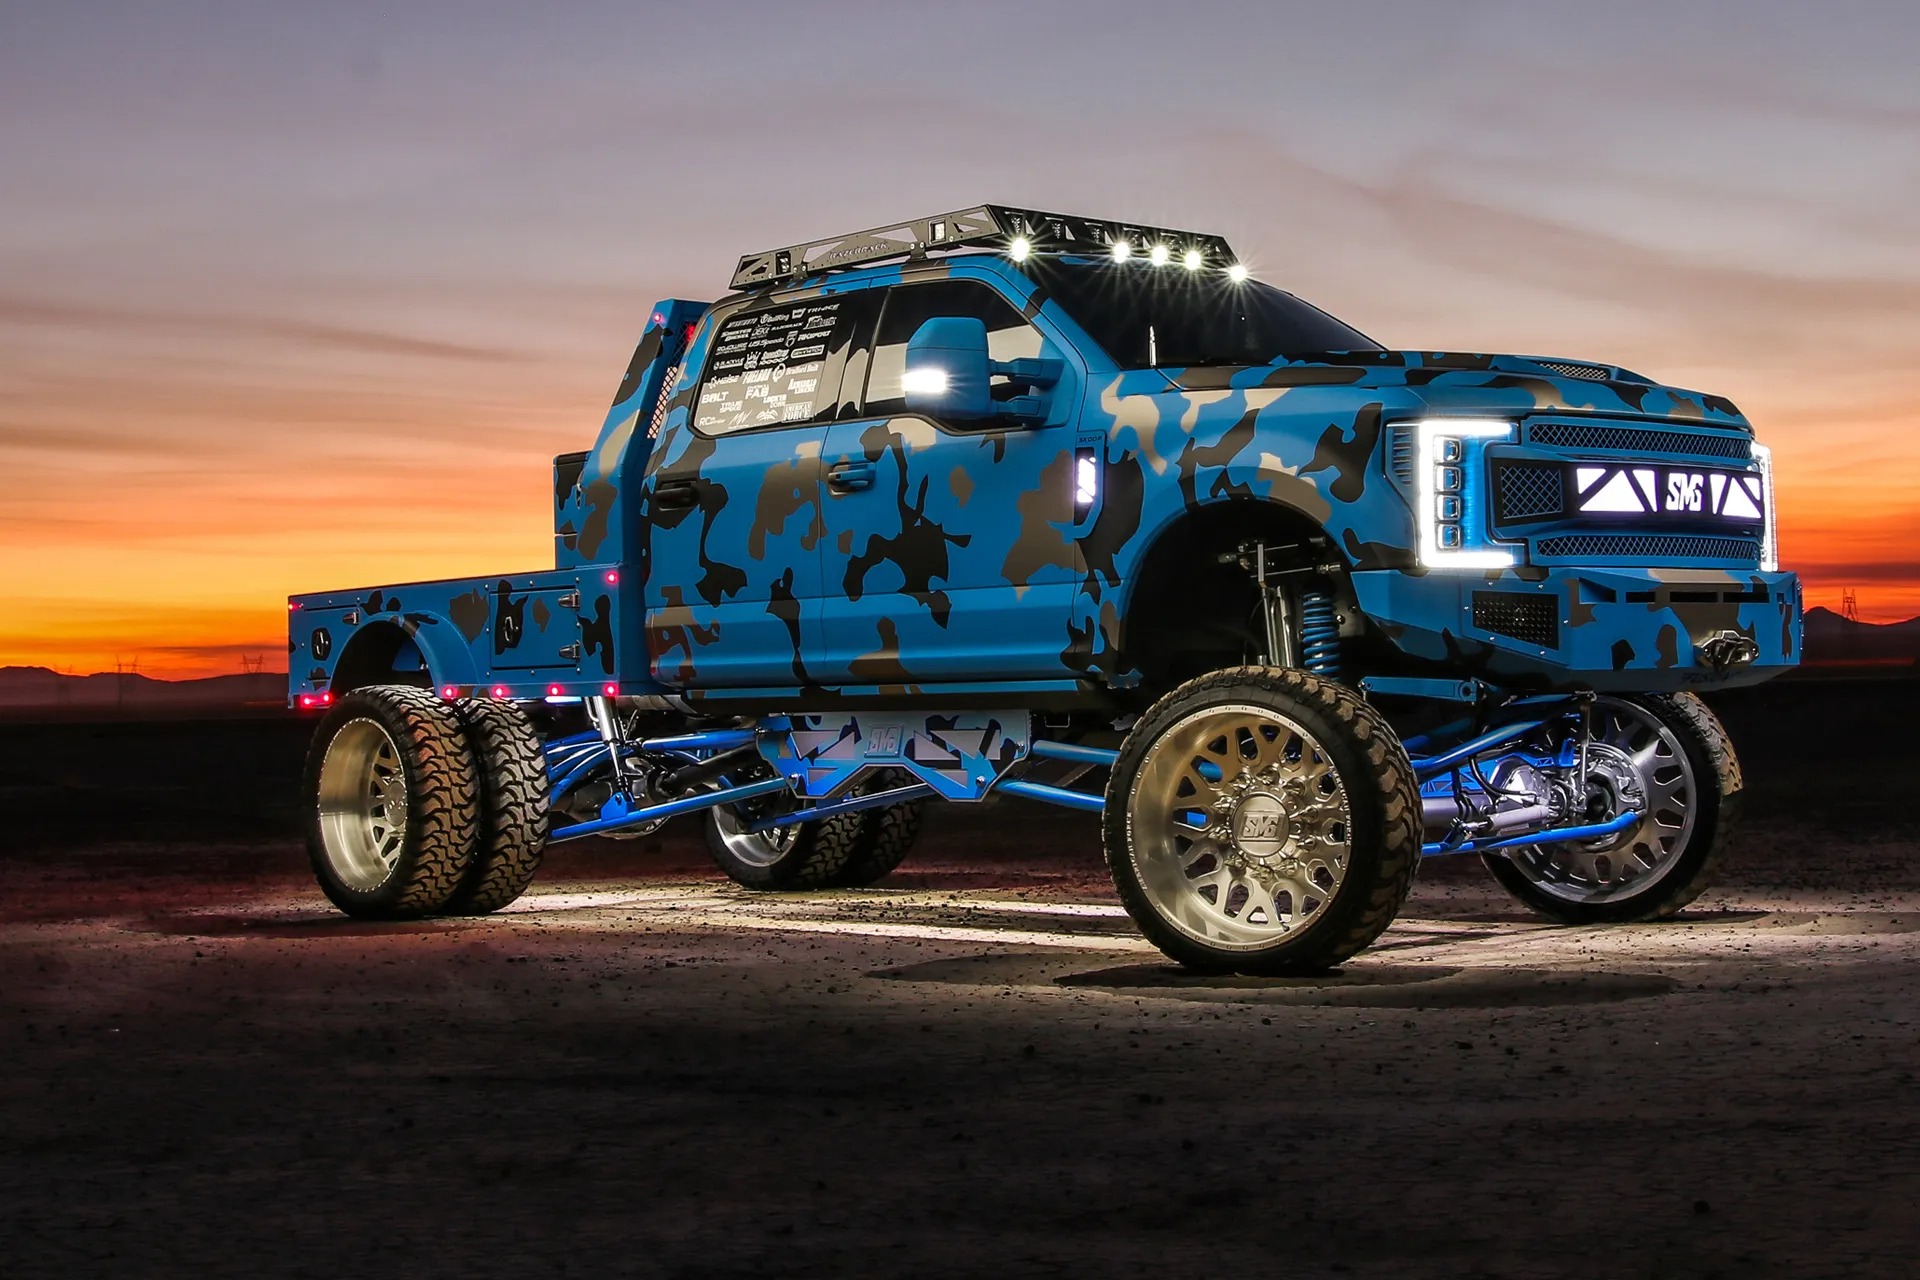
393	795
1261	825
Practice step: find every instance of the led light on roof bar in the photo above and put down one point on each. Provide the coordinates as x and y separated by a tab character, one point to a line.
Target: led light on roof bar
1237	272
1121	249
1159	255
1020	249
1194	260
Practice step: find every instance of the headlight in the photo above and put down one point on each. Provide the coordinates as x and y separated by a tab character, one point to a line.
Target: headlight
1769	539
1450	504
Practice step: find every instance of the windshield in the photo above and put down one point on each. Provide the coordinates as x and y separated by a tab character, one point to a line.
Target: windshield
1166	316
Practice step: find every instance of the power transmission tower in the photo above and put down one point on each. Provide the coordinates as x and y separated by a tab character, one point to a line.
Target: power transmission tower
1849	606
251	664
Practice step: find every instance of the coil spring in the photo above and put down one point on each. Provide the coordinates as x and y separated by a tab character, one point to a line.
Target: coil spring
1319	635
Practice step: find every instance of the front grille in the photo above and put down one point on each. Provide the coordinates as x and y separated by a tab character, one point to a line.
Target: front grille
1648	546
1642	440
1522	615
1528	491
1568	369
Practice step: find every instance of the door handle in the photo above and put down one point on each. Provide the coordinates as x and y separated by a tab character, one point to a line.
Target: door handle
676	495
848	476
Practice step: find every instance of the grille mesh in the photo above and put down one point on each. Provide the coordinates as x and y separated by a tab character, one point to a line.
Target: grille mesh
1649	546
1568	369
1523	615
1644	440
1529	492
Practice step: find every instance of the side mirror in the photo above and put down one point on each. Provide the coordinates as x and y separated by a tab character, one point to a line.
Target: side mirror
948	373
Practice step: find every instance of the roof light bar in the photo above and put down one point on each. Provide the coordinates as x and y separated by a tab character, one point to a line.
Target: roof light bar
1020	231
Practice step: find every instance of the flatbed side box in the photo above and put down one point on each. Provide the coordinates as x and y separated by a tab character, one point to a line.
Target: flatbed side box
553	632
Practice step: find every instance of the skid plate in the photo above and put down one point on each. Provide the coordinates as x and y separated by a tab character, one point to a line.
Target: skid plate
959	754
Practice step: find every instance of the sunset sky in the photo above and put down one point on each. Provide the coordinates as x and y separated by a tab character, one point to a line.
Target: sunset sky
298	296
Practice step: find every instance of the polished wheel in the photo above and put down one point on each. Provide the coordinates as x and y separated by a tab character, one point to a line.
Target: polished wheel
1665	757
362	805
1261	820
1240	826
752	848
1634	763
395	803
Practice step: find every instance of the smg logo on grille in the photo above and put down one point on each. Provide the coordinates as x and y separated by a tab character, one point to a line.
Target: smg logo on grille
1673	492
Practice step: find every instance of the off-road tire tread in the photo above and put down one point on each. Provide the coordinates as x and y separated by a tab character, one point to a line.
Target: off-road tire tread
886	837
1386	769
1690	717
443	811
819	856
514	806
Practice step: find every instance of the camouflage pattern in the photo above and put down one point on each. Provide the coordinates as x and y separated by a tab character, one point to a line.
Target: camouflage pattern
968	565
553	633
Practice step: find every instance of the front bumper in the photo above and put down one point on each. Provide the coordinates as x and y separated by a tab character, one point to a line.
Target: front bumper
1619	630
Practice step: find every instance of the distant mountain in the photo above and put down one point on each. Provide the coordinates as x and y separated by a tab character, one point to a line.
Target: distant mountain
39	687
1832	638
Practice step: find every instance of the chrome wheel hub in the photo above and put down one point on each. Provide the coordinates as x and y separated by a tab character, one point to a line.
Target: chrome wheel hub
1238	827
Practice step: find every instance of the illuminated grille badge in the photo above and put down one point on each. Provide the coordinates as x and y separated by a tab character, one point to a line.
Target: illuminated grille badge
1669	491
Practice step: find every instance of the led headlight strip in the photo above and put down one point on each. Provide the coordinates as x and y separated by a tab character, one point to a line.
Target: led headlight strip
1448	500
1769	540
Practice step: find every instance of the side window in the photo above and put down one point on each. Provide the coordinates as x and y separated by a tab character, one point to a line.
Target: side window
1009	335
776	365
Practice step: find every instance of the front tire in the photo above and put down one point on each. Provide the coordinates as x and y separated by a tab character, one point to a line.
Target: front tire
393	812
1670	756
1262	820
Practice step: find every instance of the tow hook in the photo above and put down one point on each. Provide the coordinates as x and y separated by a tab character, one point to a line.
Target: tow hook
1726	651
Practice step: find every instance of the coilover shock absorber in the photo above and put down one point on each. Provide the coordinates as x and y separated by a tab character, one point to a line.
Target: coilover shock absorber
1319	634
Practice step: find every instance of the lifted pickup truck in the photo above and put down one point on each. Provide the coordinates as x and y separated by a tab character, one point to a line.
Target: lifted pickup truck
978	505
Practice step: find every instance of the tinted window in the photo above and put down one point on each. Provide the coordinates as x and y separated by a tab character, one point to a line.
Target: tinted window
776	365
1009	335
1143	315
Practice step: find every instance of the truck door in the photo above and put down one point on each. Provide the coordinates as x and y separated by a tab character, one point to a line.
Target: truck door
733	509
949	552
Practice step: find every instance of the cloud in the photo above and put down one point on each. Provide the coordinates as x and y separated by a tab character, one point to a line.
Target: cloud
40	312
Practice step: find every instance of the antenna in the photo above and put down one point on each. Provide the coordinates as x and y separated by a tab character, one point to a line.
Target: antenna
1849	605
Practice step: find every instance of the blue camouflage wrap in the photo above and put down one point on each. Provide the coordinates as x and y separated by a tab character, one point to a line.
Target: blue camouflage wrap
1002	560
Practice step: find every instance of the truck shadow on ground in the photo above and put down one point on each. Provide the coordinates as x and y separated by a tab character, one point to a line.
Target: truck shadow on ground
1377	986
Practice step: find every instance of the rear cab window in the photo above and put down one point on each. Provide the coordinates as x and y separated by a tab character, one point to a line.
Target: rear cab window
777	365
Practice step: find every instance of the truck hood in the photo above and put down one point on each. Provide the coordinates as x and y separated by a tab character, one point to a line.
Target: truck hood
1471	382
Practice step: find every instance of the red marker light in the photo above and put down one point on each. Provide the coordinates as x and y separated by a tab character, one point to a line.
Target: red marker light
553	691
610	689
293	606
306	699
613	576
659	318
449	692
326	699
499	691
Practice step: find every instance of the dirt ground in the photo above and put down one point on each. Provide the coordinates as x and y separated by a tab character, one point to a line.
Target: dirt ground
976	1069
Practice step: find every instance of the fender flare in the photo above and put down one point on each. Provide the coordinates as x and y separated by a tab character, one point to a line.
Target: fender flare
371	651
